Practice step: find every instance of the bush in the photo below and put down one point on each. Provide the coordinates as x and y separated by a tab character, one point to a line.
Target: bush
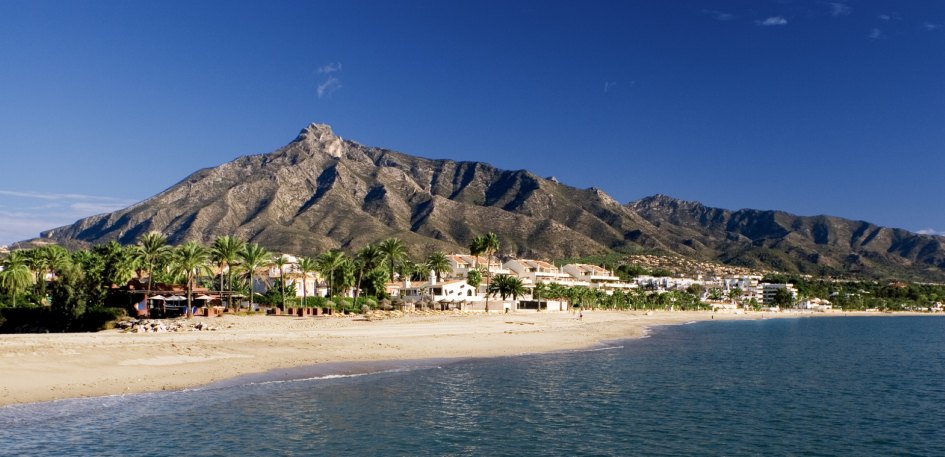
43	319
315	302
99	318
27	320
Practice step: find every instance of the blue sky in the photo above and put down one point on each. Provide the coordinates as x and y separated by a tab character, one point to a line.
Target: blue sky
812	107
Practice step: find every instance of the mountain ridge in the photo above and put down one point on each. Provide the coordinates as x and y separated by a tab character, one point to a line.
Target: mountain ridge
321	191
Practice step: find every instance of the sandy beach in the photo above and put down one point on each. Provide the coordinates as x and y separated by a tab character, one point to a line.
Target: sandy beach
45	367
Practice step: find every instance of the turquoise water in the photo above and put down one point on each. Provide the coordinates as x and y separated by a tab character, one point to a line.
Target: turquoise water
807	387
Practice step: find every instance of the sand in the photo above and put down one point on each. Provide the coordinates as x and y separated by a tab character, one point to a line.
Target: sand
46	367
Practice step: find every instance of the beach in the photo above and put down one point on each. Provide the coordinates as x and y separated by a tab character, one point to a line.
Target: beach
46	367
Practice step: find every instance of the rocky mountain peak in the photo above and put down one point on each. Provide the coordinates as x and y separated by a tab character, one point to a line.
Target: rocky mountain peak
322	192
319	138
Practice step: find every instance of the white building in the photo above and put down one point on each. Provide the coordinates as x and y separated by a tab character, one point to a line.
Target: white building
815	304
536	271
313	287
451	294
769	290
596	276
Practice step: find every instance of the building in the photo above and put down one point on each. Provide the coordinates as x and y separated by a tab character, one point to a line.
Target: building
769	290
597	277
815	304
532	272
293	276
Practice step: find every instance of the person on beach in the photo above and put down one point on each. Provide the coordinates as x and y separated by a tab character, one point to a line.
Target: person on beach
580	315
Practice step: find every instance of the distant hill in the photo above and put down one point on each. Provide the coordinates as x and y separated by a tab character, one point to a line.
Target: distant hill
322	192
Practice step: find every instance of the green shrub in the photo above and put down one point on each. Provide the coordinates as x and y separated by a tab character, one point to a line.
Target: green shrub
99	318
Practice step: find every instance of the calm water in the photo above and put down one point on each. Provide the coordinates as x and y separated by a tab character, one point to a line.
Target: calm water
832	386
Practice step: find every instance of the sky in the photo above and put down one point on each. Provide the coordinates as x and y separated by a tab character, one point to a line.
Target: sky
811	107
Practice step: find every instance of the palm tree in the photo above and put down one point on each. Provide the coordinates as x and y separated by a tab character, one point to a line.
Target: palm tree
151	249
395	251
476	247
438	264
537	291
368	258
306	265
507	286
735	295
44	260
253	257
119	262
191	259
490	244
16	274
328	263
225	252
280	262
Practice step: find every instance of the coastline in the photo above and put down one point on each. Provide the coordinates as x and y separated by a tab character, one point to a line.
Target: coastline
48	367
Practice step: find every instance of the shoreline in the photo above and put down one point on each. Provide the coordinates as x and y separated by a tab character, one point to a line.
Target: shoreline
48	367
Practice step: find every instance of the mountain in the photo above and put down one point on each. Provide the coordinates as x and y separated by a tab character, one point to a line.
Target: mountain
790	243
321	191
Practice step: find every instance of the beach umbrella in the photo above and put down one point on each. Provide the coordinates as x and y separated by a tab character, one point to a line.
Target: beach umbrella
203	297
158	297
175	298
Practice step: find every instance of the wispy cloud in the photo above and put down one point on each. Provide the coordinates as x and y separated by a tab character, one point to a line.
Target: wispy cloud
330	68
25	214
839	9
890	17
929	231
876	34
608	85
328	87
930	26
55	196
772	21
331	83
719	15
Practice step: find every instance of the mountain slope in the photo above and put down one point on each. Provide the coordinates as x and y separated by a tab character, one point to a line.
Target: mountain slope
813	245
320	192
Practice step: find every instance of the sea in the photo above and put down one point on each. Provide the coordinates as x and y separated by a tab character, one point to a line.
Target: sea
835	386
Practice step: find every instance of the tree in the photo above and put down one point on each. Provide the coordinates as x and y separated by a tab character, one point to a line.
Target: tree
539	290
16	274
395	251
119	263
150	250
368	259
225	252
507	286
191	259
374	283
306	265
280	262
253	257
715	293
68	301
782	298
476	247
93	267
438	264
44	260
328	263
490	244
474	278
735	295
